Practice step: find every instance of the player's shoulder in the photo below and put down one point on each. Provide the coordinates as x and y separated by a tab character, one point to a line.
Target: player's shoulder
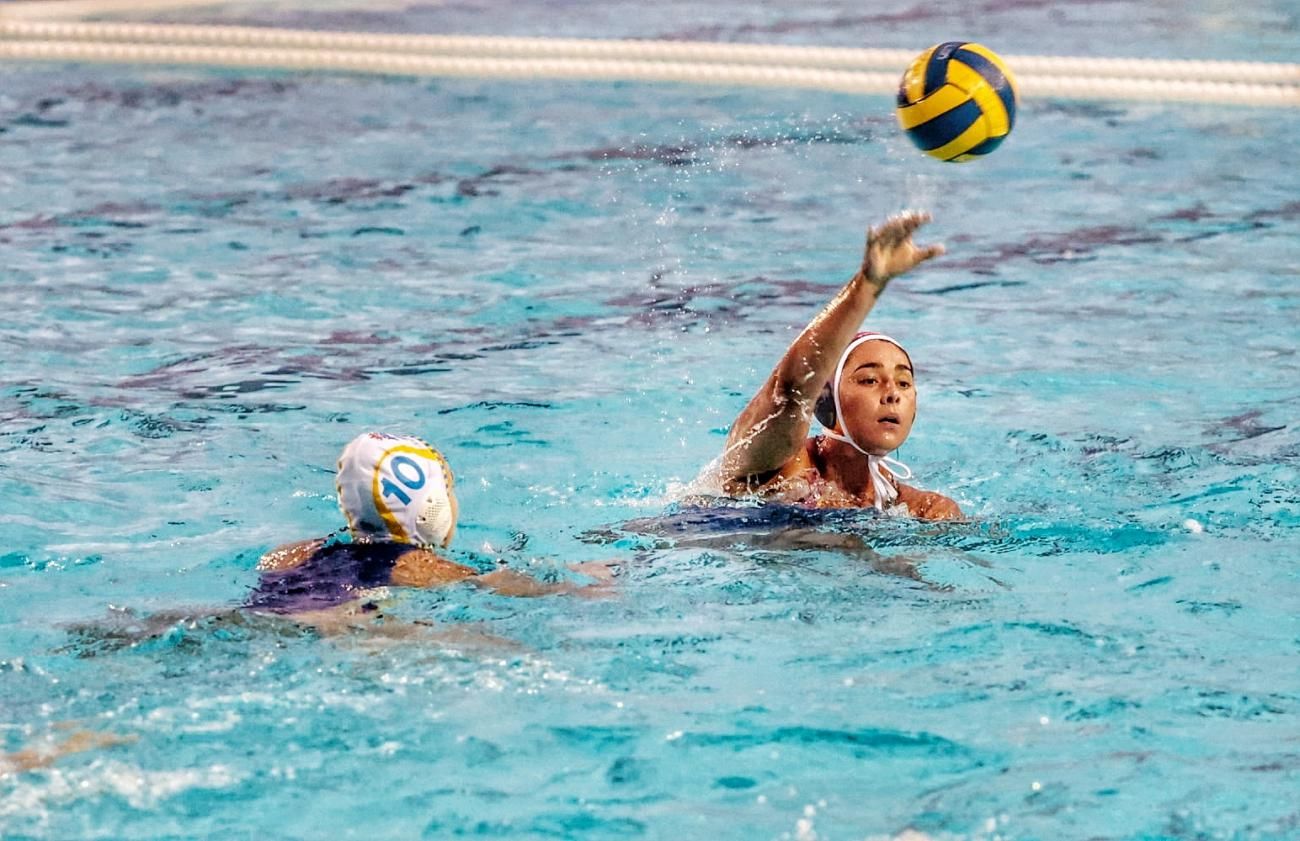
929	505
773	482
420	567
289	555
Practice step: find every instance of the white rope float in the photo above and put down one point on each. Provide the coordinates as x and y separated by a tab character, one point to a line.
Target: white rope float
65	9
688	51
398	64
1272	84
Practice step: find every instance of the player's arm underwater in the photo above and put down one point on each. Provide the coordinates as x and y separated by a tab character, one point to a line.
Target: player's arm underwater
770	432
424	568
45	755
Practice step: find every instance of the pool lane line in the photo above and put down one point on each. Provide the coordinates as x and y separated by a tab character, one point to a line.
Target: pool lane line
842	58
20	42
65	9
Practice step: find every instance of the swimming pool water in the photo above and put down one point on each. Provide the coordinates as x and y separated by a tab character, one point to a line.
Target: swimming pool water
211	281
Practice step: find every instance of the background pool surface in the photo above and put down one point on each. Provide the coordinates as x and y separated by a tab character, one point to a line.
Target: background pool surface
210	281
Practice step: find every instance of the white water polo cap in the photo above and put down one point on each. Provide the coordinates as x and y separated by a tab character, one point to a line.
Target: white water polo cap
396	488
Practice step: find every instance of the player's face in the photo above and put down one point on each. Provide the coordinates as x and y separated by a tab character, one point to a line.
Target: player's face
878	397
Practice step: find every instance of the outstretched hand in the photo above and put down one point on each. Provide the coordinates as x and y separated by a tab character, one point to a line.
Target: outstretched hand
890	250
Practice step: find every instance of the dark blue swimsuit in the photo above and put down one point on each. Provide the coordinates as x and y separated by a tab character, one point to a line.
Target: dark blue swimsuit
335	574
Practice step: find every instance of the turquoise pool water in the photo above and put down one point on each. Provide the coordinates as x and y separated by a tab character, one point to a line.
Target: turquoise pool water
211	281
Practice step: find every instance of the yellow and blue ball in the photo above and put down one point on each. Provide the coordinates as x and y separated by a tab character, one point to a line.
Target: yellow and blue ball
957	101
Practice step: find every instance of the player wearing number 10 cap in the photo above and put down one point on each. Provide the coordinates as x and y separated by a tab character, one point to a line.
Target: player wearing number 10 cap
398	496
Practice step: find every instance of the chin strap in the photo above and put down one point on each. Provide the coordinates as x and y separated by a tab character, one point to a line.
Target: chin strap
883	491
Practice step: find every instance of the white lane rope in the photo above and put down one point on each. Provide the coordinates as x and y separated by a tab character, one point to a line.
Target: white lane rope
843	58
399	64
1272	84
66	9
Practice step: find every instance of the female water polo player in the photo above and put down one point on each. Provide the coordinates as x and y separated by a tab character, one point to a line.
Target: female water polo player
859	386
398	496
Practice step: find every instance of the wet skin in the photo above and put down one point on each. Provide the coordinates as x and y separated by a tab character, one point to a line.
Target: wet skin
768	453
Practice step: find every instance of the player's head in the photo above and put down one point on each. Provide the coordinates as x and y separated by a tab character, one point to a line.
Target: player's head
396	488
870	400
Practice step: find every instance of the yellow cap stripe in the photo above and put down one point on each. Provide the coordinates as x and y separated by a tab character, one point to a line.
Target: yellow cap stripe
394	527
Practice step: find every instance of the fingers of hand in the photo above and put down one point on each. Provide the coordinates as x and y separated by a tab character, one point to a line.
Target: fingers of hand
899	227
909	222
930	251
895	233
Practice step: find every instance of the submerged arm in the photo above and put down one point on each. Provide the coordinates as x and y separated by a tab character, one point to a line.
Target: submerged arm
422	568
771	429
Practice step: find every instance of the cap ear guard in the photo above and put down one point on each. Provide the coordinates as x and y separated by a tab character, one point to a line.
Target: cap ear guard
435	522
824	408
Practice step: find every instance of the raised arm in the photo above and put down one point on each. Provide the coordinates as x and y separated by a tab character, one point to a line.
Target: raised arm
771	429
